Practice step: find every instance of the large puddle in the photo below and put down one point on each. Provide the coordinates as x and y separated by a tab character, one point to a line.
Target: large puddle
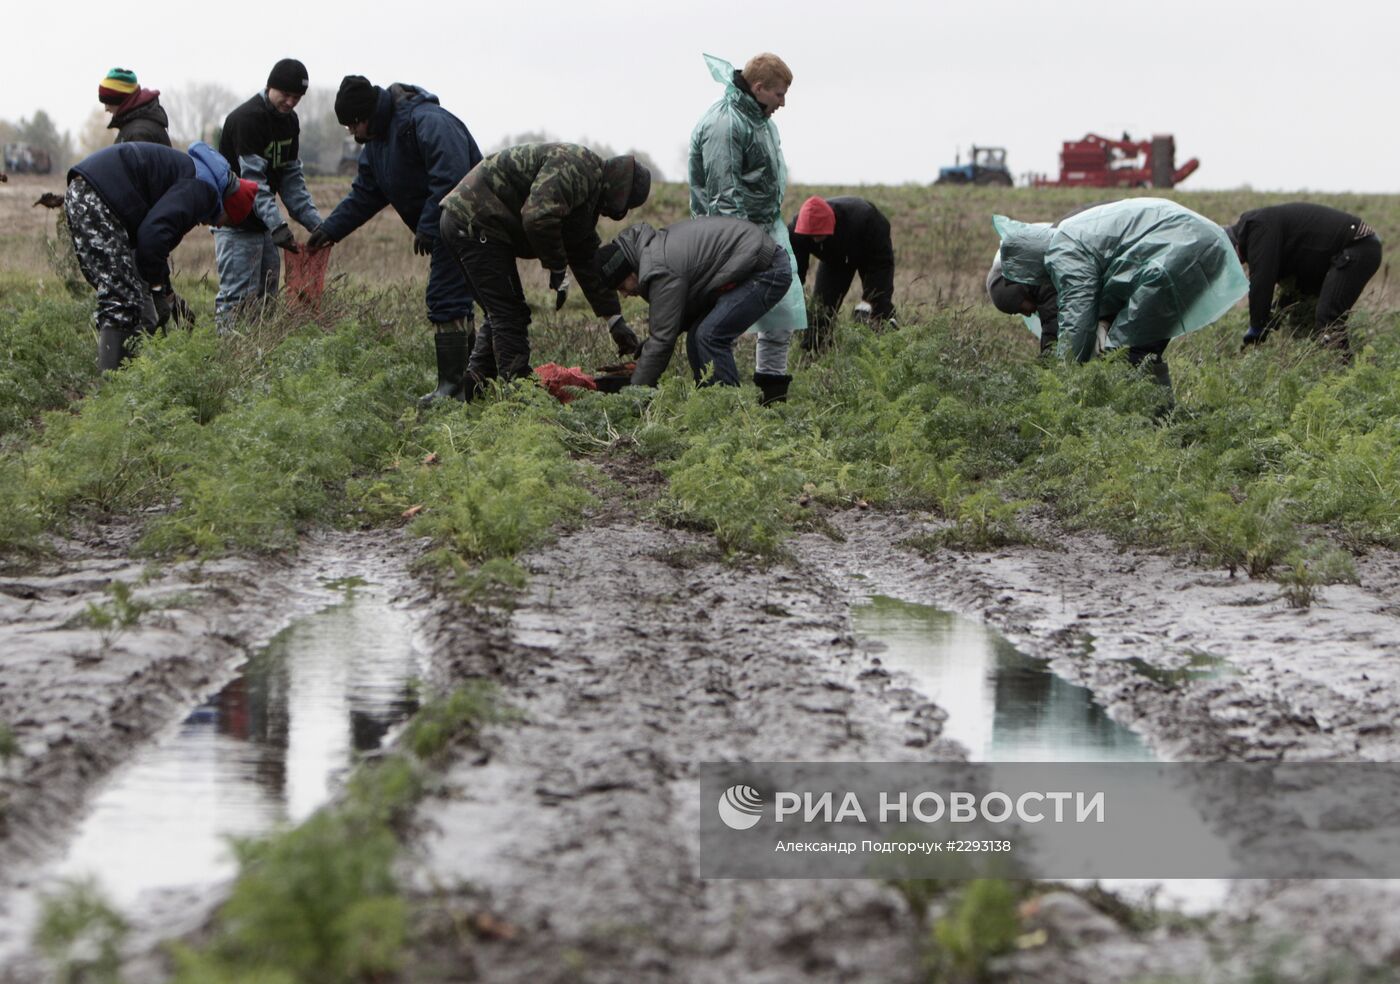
265	751
1005	706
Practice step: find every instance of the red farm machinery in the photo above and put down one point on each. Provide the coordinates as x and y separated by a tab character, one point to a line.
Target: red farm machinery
1098	162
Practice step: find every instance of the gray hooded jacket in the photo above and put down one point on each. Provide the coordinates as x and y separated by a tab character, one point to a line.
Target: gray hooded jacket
682	269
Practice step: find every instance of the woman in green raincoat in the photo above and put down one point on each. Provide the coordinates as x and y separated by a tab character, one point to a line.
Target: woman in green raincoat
1132	274
737	169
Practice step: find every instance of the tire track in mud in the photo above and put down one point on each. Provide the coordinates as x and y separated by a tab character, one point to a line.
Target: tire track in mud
81	704
636	655
1271	682
1319	684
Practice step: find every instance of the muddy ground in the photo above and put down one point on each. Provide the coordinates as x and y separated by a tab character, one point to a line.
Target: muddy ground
568	840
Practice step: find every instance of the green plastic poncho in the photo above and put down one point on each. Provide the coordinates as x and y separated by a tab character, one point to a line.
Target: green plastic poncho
737	169
1152	268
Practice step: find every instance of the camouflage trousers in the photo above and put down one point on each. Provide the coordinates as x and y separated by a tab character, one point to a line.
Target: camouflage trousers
108	260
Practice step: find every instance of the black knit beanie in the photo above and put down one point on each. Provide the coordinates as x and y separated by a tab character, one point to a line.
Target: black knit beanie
357	100
288	75
613	266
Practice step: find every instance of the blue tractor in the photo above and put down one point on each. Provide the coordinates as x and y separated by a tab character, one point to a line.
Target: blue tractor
985	166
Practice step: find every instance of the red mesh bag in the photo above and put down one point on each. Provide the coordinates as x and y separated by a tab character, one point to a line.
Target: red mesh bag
306	278
559	380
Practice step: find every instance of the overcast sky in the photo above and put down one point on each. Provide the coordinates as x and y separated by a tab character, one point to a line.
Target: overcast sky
1284	95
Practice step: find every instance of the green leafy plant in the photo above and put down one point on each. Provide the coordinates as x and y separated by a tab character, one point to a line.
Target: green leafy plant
982	924
81	934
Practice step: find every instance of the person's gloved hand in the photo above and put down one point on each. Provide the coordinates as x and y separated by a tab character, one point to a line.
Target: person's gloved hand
160	297
623	336
1253	337
282	238
422	245
180	310
318	241
559	283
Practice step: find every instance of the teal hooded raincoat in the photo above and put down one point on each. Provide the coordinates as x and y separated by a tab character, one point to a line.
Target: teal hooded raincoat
737	169
1152	268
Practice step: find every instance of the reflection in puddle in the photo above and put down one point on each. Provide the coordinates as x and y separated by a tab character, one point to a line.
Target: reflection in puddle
1002	705
266	750
1198	666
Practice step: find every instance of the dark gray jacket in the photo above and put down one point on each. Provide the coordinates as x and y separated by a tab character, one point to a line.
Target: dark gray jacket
682	269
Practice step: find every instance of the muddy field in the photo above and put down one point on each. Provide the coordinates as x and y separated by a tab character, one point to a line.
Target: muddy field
562	842
636	653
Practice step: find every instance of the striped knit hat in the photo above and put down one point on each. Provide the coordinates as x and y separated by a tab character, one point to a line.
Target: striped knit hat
118	84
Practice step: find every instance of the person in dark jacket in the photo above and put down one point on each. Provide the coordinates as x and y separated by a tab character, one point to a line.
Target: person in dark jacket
536	201
137	114
1314	251
261	140
128	206
415	152
849	236
711	277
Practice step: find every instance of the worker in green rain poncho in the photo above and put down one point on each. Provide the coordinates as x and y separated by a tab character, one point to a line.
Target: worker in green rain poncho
737	169
1132	274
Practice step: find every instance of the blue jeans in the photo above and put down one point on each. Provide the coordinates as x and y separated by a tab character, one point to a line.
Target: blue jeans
711	340
249	268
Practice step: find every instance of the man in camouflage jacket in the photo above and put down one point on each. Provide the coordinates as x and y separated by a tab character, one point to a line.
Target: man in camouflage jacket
536	201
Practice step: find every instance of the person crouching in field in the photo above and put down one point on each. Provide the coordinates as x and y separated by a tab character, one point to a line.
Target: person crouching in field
1319	251
128	206
711	278
1132	274
849	236
536	201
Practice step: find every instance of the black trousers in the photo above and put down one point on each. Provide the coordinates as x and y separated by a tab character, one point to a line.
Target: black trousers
1351	270
833	282
502	348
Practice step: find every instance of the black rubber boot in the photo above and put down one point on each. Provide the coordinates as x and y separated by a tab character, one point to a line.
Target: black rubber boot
774	387
113	348
453	346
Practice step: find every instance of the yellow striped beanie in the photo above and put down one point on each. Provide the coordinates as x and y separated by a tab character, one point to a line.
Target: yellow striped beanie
116	86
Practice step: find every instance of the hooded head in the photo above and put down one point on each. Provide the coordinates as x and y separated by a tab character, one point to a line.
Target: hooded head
613	265
1023	249
1006	297
626	185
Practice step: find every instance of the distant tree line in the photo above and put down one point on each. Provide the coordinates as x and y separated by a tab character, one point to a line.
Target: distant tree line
197	112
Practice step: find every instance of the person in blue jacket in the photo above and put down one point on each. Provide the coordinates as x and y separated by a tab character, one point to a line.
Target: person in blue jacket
415	152
128	206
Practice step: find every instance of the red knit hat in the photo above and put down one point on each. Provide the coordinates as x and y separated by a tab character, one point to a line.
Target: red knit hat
239	202
815	218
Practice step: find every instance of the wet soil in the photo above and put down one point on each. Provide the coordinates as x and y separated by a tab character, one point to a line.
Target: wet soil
1204	665
564	847
80	700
